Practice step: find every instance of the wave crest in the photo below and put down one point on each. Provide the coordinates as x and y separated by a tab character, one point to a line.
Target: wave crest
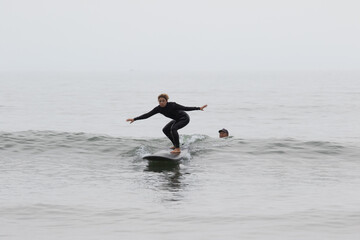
67	143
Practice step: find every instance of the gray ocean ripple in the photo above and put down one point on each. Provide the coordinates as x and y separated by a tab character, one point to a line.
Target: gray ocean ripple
41	142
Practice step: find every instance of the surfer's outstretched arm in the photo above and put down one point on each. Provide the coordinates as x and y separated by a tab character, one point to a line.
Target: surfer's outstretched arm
181	107
144	116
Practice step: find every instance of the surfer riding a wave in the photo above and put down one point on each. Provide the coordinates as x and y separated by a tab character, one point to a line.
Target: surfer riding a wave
174	111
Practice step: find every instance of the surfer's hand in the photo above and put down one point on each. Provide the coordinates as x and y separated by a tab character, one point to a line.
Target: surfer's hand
131	120
202	108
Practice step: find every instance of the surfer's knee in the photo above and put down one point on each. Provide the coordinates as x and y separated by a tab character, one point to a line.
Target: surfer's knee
165	130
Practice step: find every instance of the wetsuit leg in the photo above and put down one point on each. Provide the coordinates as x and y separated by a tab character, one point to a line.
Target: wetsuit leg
167	131
182	122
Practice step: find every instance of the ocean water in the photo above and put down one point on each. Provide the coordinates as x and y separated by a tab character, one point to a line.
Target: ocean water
71	166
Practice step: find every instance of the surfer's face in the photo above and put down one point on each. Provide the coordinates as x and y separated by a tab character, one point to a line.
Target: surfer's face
162	102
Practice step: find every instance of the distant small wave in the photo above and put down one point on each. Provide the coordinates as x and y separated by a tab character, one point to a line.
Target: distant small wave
67	143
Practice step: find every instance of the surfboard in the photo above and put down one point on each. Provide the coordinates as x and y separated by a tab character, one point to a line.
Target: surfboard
166	156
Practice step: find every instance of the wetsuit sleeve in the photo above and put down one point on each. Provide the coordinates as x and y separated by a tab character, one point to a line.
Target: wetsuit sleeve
180	107
149	114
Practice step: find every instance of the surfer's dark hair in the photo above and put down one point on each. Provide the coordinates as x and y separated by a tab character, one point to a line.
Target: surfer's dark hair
163	95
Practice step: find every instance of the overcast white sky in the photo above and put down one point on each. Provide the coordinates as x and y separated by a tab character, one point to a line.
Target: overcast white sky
183	35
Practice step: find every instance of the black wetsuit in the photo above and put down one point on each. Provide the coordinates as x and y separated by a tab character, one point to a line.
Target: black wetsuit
176	112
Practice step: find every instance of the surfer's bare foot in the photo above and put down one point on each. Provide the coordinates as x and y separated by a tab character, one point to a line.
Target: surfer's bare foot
172	148
176	151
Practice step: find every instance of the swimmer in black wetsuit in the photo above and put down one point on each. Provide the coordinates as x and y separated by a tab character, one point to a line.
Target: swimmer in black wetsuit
174	111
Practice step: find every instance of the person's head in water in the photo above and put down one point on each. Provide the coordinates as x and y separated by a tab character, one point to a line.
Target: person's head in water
223	133
163	98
